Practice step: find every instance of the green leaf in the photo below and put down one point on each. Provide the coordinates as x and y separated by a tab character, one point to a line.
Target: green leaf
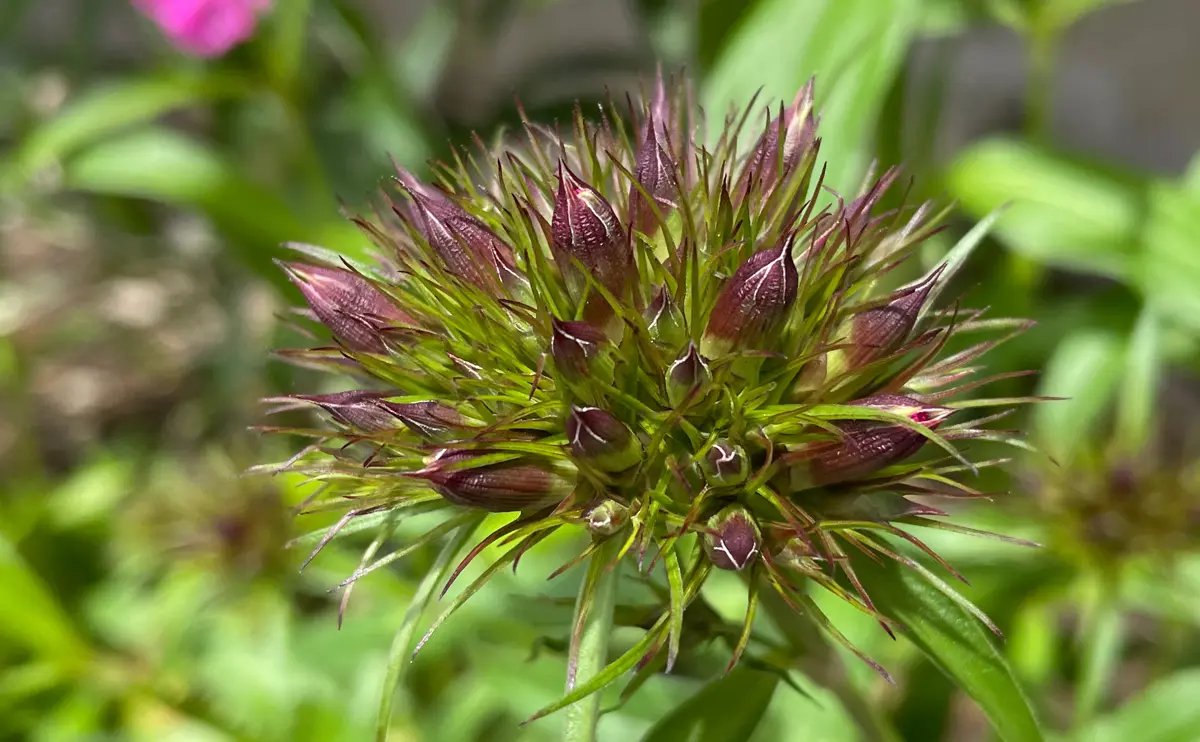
166	166
1139	387
110	108
854	47
32	617
727	709
956	642
1063	213
1165	712
1084	368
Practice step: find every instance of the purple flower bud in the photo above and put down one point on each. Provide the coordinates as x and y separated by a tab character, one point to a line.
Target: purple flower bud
879	331
361	410
356	312
607	518
725	464
427	419
753	303
868	446
688	378
732	539
467	248
580	351
585	228
665	321
498	488
799	125
599	438
654	167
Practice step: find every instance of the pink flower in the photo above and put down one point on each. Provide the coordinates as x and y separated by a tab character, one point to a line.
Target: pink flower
205	28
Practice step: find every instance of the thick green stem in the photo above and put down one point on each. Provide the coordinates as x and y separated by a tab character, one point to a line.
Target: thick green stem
583	717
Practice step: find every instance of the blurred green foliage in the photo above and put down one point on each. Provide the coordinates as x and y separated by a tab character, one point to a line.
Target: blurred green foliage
145	591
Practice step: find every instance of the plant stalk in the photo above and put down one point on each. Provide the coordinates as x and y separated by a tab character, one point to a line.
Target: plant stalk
583	717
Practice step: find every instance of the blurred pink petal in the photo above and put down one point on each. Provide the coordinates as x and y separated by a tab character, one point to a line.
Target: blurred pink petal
206	28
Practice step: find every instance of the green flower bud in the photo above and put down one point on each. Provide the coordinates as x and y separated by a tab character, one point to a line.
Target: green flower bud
688	378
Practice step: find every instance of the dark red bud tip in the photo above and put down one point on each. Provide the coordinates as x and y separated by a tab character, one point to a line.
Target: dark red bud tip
585	228
732	539
879	331
498	488
753	303
688	378
356	312
599	438
467	248
577	348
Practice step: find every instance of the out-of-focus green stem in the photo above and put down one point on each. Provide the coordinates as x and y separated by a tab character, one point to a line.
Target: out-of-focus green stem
583	717
1039	93
1102	642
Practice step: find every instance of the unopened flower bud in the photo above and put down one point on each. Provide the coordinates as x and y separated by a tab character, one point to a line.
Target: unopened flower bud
732	539
607	518
654	166
799	126
361	410
753	303
580	351
599	438
725	464
879	331
356	312
866	445
427	419
498	488
665	321
584	228
688	378
467	248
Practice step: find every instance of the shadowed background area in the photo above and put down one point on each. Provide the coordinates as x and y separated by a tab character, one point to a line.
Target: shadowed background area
145	589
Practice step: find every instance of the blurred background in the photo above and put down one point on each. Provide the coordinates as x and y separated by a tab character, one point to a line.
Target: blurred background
145	591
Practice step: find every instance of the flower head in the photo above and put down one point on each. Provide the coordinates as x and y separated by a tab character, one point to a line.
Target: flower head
608	340
205	28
